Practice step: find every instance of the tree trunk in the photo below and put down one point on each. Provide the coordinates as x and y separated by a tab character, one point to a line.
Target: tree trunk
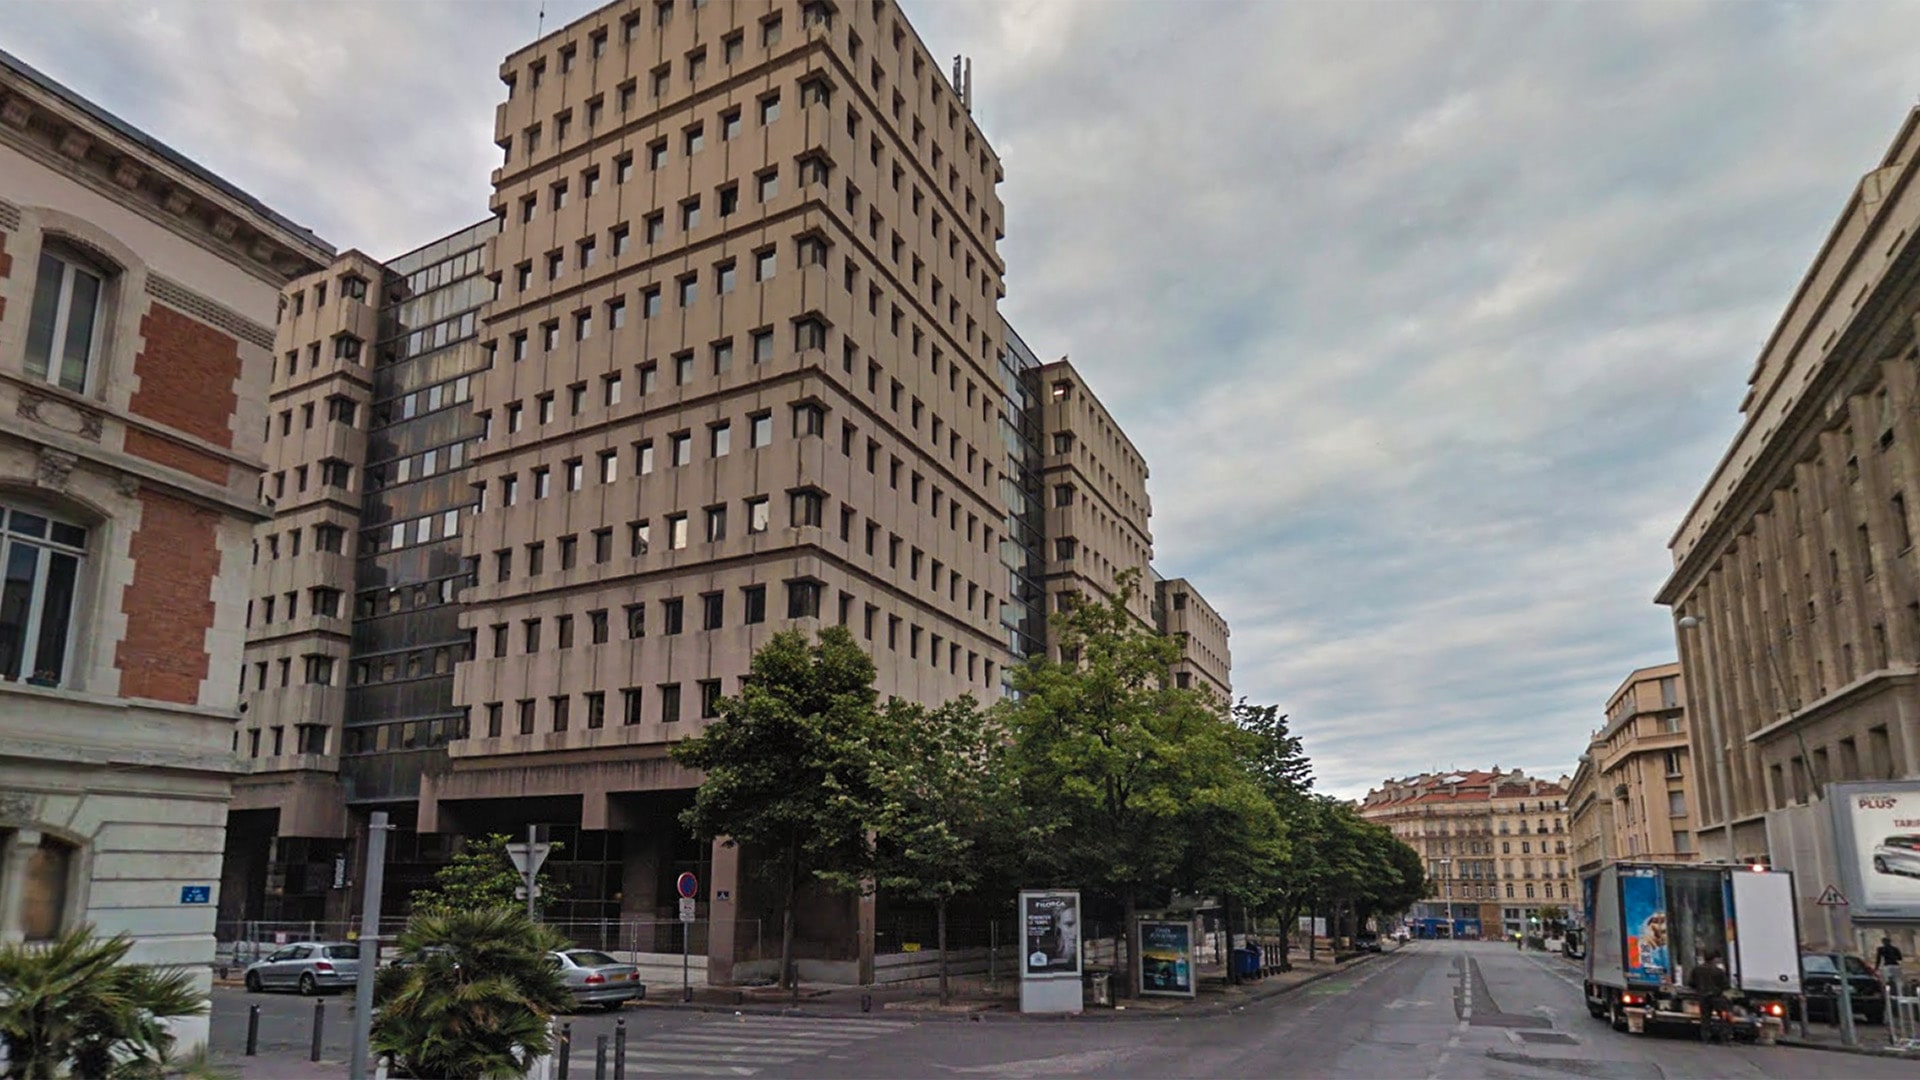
940	932
1127	933
1313	939
787	979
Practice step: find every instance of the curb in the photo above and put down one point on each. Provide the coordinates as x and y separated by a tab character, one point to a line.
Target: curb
1838	1048
1099	1016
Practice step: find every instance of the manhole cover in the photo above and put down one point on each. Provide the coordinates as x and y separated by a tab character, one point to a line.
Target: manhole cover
1552	1038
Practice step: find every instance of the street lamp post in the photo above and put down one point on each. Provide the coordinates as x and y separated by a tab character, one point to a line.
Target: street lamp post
1446	887
1716	731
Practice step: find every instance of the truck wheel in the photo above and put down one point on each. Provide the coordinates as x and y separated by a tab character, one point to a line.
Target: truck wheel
1616	1015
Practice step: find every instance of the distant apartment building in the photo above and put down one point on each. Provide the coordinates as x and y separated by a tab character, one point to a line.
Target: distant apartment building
1794	589
726	360
1630	795
1495	845
137	306
1206	660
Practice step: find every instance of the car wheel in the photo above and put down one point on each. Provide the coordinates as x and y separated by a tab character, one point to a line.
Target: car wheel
1875	1015
253	982
1880	865
308	987
613	1006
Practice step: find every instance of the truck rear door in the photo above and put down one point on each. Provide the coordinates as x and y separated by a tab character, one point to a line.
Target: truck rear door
1763	936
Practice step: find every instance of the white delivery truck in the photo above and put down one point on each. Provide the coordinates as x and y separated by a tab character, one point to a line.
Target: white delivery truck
1649	924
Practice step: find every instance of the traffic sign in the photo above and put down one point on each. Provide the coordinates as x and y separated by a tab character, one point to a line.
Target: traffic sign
1832	898
519	853
686	908
688	886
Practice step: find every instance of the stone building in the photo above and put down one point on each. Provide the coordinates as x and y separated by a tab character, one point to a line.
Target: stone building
1794	589
137	304
1494	843
1630	795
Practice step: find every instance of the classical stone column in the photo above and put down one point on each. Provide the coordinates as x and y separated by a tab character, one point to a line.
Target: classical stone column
17	857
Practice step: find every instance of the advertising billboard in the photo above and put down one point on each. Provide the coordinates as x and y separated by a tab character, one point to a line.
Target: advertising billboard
1877	843
1166	958
1050	934
1643	913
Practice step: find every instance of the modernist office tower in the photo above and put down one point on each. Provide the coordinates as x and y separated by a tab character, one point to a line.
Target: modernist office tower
746	378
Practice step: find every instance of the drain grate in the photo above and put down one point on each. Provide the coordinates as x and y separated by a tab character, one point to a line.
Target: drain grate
1552	1038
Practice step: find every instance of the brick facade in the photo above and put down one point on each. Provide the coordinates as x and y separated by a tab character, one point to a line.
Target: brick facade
166	452
187	373
169	603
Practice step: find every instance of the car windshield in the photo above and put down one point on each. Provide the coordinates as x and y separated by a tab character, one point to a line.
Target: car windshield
344	952
1817	965
589	958
1857	966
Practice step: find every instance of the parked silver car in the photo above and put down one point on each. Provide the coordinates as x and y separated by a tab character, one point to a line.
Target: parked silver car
310	967
595	978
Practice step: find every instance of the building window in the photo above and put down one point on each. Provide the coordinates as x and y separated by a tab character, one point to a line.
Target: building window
754	600
712	610
64	324
676	532
41	556
807	508
49	868
716	524
669	703
803	599
709	698
763	265
757	515
760	429
762	346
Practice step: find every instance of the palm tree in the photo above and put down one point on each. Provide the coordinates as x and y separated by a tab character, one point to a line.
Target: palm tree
72	1005
471	996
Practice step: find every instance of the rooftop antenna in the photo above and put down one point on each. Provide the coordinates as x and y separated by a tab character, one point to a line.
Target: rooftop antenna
540	24
966	95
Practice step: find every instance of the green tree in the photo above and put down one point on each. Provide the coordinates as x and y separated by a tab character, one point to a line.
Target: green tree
471	997
1110	757
794	765
74	1006
946	814
481	875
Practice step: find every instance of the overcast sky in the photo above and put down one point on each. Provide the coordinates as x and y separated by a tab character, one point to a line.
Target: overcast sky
1430	319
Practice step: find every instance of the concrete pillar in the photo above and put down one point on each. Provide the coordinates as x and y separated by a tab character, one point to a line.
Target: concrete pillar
724	932
16	857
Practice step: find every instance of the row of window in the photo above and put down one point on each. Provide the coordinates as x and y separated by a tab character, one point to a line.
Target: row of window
316	669
322	602
307	739
325	537
1469	891
351	287
330	472
340	410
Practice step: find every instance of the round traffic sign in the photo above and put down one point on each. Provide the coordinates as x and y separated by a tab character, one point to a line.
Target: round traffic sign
688	885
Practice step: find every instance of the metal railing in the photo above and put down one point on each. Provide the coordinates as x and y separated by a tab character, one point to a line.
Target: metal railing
1903	1017
238	944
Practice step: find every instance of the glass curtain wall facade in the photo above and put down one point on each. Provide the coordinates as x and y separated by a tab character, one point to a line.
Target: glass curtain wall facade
1023	615
406	632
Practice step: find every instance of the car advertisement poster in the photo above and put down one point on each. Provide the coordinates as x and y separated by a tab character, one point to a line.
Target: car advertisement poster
1879	834
1643	909
1166	958
1050	924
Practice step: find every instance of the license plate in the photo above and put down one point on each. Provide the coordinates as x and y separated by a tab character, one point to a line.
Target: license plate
1692	1008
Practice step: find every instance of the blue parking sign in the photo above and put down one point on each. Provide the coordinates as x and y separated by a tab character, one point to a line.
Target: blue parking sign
196	894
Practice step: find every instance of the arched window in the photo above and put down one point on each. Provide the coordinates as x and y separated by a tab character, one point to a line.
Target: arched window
65	323
40	564
45	865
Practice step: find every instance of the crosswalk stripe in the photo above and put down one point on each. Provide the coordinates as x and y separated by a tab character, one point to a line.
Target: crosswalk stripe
797	1046
691	1054
795	1034
689	1070
824	1025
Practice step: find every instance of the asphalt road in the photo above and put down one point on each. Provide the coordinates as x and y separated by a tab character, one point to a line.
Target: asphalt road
1431	1011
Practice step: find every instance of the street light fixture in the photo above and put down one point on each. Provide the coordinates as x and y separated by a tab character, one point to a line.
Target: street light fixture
1716	729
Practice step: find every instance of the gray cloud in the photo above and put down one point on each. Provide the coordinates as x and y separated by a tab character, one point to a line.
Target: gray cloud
1430	319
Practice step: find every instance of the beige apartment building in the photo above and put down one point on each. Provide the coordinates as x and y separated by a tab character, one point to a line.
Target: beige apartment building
1630	794
1206	661
1794	589
137	306
1495	845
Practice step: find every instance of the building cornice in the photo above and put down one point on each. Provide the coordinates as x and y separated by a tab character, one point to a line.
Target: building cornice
59	129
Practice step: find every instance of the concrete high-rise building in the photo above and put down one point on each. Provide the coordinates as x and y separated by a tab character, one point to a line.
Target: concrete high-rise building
137	303
1796	601
1629	797
727	360
1495	845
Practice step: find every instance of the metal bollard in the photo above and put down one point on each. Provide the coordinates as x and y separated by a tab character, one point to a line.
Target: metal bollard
620	1049
599	1057
866	1003
319	1021
565	1051
253	1030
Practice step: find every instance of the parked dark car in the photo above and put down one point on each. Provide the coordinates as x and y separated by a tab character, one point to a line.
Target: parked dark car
1367	942
1820	979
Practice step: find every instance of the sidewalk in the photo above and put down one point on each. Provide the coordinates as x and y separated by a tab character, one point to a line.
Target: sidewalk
1872	1039
974	998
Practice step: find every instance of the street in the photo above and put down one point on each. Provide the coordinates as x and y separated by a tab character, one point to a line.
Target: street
1403	1015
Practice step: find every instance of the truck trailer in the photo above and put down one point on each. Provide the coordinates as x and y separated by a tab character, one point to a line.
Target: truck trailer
1650	924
